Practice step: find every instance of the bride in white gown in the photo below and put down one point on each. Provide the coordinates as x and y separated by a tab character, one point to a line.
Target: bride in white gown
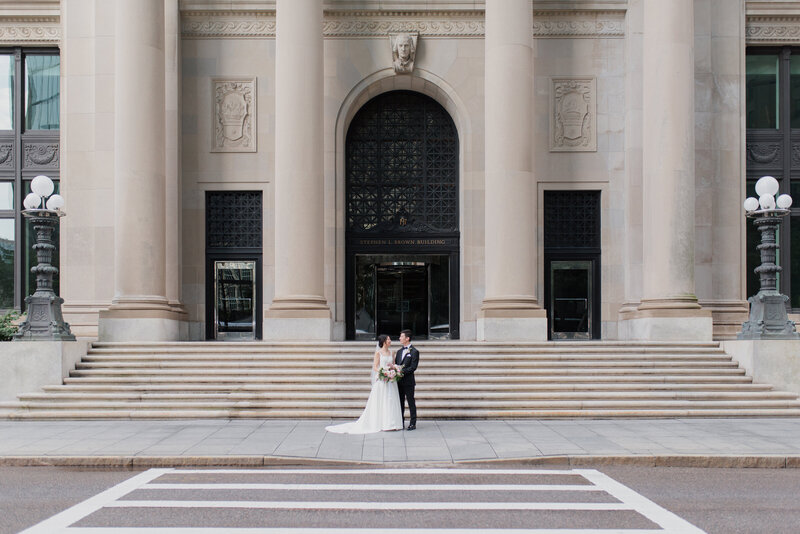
382	411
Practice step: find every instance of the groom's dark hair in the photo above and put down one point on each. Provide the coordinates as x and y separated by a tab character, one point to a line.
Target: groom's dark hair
407	333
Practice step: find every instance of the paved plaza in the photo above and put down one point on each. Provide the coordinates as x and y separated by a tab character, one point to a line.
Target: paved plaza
773	442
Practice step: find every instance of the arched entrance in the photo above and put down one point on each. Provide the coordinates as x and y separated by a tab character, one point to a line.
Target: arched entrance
402	227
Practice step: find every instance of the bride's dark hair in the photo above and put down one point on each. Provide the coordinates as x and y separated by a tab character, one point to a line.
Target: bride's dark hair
382	339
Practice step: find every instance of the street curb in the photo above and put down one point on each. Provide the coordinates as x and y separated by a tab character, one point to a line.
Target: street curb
146	462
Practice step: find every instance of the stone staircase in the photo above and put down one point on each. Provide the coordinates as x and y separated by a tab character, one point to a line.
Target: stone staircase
455	380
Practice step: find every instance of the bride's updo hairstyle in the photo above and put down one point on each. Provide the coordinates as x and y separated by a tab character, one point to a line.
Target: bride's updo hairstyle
382	340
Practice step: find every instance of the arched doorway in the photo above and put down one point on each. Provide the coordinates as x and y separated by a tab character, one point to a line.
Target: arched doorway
402	226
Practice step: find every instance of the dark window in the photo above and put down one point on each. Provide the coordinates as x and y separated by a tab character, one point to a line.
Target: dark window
29	146
572	219
402	166
233	219
773	148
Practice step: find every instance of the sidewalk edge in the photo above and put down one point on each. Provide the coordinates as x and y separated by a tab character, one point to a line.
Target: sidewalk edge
146	462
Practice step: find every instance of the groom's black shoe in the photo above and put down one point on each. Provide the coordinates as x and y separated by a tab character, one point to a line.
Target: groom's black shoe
411	427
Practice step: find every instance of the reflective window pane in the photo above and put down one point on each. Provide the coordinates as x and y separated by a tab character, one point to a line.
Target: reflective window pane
6	263
42	92
794	91
6	92
6	195
794	262
762	91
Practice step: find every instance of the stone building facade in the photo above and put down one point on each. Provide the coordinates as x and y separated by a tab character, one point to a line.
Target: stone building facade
333	169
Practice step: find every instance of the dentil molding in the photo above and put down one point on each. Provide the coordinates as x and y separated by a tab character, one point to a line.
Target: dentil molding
355	24
30	30
773	29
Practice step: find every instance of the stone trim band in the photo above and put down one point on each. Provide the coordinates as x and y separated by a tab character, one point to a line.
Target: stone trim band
339	24
773	30
30	30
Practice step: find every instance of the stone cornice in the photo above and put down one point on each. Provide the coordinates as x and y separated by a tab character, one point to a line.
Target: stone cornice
773	30
356	24
30	30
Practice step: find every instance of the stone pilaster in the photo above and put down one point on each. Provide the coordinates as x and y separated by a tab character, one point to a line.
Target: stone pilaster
140	309
299	309
669	307
510	310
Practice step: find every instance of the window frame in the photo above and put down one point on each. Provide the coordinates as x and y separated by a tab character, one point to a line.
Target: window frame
22	176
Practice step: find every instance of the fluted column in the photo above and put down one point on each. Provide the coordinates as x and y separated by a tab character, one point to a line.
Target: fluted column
669	308
140	309
299	309
510	310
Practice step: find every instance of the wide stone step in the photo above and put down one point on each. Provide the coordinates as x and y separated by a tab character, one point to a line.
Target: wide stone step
361	396
473	352
421	386
430	414
302	365
430	404
339	379
333	371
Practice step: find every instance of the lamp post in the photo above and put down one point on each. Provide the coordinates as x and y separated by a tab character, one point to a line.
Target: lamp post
768	319
44	321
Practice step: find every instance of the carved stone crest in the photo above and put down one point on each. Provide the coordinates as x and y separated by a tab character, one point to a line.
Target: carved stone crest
404	51
234	115
573	115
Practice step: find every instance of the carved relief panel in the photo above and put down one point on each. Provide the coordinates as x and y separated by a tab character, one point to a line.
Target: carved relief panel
6	155
573	114
41	155
234	115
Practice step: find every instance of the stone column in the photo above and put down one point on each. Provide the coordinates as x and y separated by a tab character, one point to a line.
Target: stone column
669	309
510	310
139	310
299	309
172	169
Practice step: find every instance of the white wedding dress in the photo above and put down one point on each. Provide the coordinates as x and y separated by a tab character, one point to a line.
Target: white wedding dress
382	411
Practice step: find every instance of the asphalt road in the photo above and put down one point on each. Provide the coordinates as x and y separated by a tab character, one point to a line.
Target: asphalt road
714	500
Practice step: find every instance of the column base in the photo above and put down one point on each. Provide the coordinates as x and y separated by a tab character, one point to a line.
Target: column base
516	319
298	319
142	319
666	320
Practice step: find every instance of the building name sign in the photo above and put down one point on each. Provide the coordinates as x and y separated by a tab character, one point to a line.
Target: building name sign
404	241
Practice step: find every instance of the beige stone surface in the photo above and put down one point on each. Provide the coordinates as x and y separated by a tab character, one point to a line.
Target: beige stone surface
450	67
774	361
29	365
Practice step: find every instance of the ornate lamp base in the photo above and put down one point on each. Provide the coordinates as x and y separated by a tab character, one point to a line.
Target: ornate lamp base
768	319
44	322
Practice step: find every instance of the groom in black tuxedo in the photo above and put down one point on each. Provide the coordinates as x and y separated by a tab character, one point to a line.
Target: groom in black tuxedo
408	358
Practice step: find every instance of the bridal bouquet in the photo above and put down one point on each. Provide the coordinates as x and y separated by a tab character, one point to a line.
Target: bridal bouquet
391	373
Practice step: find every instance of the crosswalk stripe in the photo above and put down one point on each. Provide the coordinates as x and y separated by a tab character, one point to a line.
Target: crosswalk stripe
353	505
670	522
349	530
399	471
376	487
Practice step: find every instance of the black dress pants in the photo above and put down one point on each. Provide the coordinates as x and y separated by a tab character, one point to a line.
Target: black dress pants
406	391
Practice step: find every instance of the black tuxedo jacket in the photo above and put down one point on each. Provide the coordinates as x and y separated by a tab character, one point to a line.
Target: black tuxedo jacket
409	365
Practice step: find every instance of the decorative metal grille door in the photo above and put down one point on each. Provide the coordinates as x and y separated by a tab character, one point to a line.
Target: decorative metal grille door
572	264
234	231
402	166
401	202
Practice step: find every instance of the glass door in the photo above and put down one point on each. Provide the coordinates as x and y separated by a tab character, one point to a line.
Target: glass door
402	290
234	300
571	299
